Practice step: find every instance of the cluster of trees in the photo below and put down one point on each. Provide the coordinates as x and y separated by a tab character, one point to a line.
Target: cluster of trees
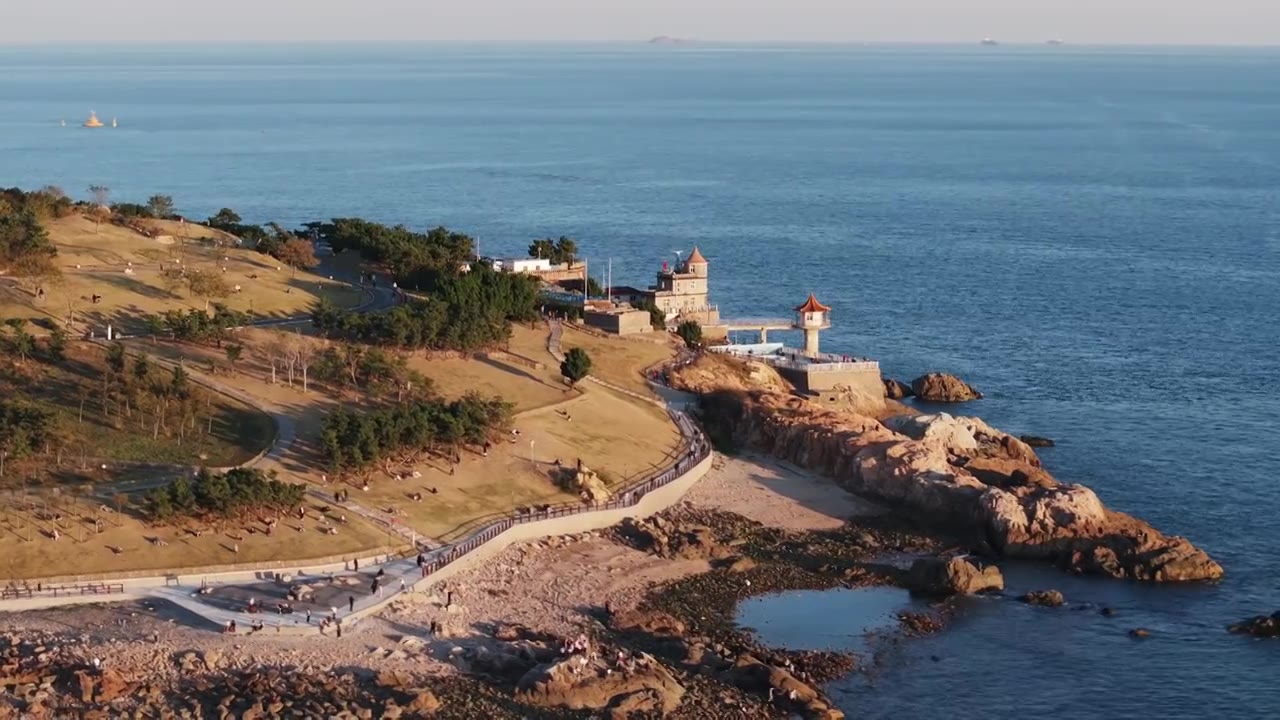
374	371
466	312
562	251
200	283
139	391
415	259
292	248
195	325
25	248
691	333
16	342
158	207
228	221
356	442
657	318
25	429
222	495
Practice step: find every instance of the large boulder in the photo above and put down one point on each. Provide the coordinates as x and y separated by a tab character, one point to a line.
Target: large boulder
1044	598
895	390
572	684
652	622
957	576
585	483
941	387
751	674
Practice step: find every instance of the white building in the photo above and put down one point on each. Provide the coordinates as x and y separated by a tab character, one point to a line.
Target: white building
522	265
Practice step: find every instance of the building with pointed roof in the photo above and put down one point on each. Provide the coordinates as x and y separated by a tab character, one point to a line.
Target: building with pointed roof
682	292
812	317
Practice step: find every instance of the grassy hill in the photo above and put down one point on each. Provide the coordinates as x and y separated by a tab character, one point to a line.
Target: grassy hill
134	274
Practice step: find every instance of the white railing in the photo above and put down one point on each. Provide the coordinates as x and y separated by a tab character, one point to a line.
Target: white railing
816	367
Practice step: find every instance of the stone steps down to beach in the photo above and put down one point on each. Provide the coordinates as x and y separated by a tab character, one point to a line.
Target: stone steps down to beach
956	473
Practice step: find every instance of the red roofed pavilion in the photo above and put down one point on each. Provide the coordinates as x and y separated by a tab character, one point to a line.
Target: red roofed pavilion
812	317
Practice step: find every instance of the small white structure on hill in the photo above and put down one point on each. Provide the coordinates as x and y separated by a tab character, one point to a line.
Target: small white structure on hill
522	265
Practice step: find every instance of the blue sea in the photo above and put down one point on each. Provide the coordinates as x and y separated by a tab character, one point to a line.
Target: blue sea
1089	235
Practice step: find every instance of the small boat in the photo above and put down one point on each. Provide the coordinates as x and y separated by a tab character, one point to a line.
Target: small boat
113	123
1055	42
64	123
989	41
93	121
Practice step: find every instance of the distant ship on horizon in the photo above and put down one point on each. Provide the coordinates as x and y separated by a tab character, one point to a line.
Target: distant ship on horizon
989	41
93	121
1054	42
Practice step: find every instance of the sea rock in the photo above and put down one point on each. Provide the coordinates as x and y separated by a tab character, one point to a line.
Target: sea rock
572	684
1036	441
1045	598
941	387
1267	626
956	576
895	390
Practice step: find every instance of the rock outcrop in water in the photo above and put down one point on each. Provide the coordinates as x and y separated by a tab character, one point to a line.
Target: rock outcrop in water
957	576
949	471
1267	626
895	390
941	387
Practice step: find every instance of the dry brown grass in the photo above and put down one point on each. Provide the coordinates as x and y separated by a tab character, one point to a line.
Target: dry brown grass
252	375
526	387
621	360
620	438
128	546
94	430
103	254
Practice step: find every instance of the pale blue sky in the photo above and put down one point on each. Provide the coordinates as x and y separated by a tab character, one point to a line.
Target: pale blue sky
1078	21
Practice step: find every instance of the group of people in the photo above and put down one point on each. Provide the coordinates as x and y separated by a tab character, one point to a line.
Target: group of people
255	626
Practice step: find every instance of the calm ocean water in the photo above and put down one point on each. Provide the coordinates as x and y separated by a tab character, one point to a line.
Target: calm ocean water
1091	236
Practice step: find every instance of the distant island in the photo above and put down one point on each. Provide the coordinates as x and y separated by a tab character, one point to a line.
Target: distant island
668	40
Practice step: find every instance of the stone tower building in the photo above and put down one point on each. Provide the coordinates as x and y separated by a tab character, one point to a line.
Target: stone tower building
682	292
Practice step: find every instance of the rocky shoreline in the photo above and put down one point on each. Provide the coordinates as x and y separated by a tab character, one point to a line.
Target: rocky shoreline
637	620
496	651
959	472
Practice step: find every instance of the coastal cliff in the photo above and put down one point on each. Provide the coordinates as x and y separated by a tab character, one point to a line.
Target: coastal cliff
952	472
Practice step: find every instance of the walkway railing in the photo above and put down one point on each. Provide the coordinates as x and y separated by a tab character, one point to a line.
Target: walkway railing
628	496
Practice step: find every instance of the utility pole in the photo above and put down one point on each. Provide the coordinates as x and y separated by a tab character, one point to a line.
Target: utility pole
608	287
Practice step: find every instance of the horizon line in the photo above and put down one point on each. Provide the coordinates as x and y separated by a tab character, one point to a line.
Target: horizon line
666	41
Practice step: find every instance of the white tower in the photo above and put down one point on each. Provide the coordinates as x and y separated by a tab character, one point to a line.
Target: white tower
812	317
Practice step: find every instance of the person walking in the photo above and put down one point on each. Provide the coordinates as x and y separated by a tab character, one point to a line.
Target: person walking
351	604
